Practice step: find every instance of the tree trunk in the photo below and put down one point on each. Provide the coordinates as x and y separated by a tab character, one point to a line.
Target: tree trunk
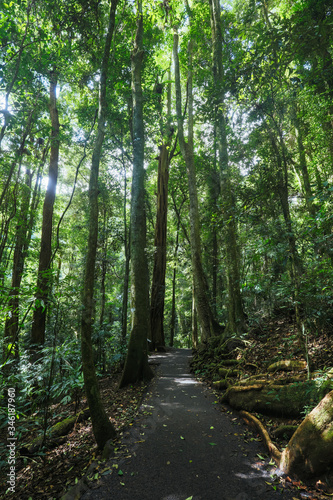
136	364
310	450
173	305
127	270
236	317
194	321
205	315
44	279
102	427
11	349
295	263
160	244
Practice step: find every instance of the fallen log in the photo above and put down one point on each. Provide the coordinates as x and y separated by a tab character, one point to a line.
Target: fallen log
55	433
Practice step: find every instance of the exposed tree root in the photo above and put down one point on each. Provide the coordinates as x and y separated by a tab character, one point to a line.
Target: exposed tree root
254	422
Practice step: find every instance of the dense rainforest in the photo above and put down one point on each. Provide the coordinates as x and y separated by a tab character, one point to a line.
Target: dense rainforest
166	179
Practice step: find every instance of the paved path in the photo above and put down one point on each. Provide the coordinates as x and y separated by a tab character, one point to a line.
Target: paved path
187	447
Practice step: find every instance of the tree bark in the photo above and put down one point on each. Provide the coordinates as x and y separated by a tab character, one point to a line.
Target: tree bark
11	348
205	315
44	279
236	317
194	320
136	364
175	254
160	244
127	267
102	427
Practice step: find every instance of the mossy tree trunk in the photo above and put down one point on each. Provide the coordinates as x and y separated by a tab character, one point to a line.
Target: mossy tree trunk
136	364
102	427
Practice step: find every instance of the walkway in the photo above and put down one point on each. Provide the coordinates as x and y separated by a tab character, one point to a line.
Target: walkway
184	445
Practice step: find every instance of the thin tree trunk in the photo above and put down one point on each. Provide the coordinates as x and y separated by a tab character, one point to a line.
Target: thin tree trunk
194	320
14	77
236	317
11	348
136	364
205	315
295	264
173	305
127	260
44	280
102	427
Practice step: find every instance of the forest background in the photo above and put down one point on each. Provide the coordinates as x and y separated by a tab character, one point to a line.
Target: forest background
165	173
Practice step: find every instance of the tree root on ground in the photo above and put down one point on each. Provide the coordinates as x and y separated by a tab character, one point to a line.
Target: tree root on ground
251	420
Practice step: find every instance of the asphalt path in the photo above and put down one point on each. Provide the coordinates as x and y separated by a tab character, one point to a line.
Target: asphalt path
185	445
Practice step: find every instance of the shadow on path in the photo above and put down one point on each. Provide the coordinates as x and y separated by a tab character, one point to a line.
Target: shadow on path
185	446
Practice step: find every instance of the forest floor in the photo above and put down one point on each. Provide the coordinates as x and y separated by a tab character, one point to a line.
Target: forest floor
48	475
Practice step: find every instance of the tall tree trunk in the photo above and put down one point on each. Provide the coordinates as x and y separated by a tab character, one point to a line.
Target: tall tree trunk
136	364
127	266
160	244
205	315
44	280
173	305
236	317
295	263
11	349
301	167
194	320
102	427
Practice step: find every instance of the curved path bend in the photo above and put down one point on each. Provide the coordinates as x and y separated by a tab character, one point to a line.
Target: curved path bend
184	445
